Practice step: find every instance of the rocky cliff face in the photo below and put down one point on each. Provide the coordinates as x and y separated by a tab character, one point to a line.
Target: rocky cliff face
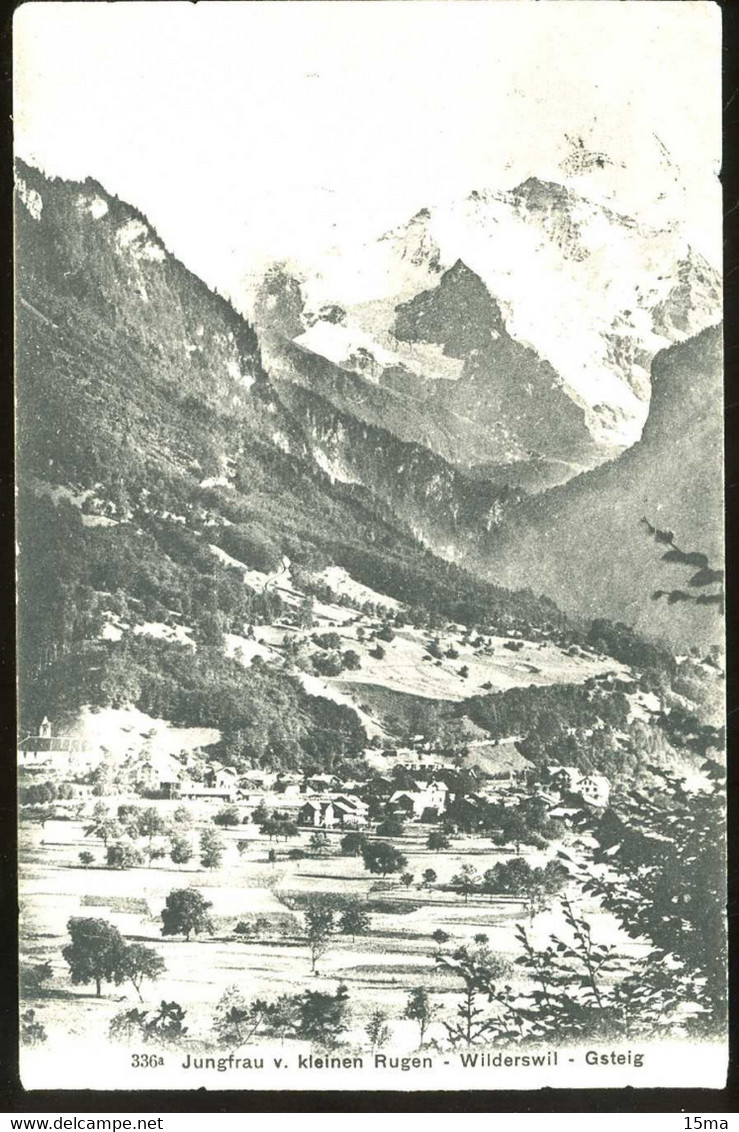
124	354
503	385
141	386
445	509
144	392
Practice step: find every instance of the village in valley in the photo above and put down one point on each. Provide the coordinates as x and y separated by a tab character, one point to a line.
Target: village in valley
358	884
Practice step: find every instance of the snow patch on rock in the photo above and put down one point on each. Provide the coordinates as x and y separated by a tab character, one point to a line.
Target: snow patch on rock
235	371
333	467
281	441
31	199
133	236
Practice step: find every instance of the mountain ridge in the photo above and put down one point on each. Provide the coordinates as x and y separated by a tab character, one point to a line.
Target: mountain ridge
591	293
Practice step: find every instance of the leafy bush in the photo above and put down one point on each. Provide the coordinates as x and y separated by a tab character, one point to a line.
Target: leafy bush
32	1032
327	641
250	545
164	1026
123	855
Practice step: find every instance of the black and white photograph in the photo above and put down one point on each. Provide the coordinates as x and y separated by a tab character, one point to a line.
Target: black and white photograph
369	545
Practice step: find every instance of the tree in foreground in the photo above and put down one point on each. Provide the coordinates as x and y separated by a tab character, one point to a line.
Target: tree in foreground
276	827
377	1029
438	840
354	919
227	817
164	1026
123	855
429	877
319	842
381	857
86	858
319	926
281	1016
236	1020
662	874
352	843
182	817
181	850
150	824
139	963
32	1032
466	881
478	968
703	575
168	1023
211	849
103	825
96	952
33	979
419	1009
514	831
186	913
322	1018
391	827
260	814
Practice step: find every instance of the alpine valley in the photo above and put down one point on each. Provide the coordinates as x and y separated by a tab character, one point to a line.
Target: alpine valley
369	557
390	436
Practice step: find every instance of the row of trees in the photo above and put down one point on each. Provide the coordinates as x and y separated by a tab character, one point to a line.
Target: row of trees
513	878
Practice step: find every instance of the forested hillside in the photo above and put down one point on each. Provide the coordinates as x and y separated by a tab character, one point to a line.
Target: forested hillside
149	433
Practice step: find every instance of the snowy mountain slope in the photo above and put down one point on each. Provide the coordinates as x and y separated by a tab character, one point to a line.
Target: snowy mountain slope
591	294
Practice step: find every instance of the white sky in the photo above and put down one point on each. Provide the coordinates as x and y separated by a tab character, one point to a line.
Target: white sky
255	130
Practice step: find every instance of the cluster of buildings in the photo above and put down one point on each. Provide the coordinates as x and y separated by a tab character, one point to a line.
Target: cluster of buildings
324	801
567	784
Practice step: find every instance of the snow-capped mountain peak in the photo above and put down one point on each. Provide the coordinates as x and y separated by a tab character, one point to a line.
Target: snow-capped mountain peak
581	288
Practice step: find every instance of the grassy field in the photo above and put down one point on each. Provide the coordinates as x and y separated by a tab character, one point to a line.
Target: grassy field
379	968
407	667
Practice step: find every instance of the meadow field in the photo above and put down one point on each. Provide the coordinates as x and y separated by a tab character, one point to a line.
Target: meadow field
379	968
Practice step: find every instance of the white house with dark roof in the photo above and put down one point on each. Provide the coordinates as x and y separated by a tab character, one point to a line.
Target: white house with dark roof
342	810
430	796
594	789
